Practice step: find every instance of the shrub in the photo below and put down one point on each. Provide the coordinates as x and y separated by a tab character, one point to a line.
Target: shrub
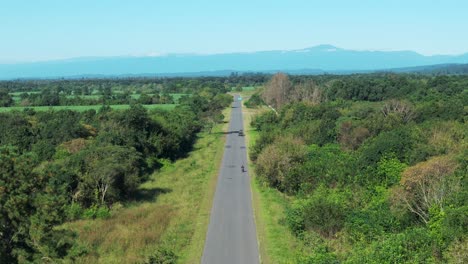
295	216
389	170
411	246
323	212
102	212
96	212
163	255
396	142
327	165
457	252
279	159
74	211
254	101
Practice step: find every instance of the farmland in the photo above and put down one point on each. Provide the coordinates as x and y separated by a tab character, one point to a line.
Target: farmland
81	108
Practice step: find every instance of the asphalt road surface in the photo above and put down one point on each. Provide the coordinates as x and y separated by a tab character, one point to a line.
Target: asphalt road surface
231	236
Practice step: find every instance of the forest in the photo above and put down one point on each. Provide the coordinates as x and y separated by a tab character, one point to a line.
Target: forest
60	166
373	168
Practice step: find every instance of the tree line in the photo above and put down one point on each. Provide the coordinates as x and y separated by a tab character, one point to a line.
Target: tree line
375	165
57	166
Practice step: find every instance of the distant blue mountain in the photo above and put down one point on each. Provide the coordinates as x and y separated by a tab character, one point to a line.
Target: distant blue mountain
323	58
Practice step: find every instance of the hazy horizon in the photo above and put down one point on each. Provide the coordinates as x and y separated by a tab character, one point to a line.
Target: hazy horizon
90	57
56	30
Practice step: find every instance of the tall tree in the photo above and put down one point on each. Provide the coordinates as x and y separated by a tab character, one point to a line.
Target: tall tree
428	184
277	90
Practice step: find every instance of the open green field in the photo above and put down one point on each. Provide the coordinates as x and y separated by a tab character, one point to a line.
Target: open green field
245	88
92	96
81	108
19	93
171	211
16	95
175	96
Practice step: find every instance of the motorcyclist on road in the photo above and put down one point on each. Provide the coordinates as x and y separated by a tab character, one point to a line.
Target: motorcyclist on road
242	167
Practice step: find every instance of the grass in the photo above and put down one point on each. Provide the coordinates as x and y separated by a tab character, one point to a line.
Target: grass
91	96
82	108
276	243
19	93
245	89
175	96
16	96
172	210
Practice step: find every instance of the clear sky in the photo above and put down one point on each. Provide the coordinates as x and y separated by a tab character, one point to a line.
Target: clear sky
34	30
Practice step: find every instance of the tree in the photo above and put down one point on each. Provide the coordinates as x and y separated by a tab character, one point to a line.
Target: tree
306	91
351	137
427	184
49	97
5	98
277	90
279	159
106	174
403	110
145	99
31	204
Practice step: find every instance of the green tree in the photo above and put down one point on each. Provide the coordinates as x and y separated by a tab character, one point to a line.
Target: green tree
31	204
5	98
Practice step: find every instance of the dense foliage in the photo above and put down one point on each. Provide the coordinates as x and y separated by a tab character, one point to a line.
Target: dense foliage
64	165
375	165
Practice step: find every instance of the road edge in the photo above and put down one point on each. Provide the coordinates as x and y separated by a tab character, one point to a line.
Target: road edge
203	219
256	202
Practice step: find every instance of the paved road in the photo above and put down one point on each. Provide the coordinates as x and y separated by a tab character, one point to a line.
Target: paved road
231	236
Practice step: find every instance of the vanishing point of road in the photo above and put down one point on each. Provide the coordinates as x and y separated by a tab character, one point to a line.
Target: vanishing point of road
231	236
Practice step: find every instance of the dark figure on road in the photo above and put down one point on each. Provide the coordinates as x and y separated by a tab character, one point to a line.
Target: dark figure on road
242	168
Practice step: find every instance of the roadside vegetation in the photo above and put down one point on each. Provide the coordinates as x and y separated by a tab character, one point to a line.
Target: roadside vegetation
168	217
361	169
365	168
62	166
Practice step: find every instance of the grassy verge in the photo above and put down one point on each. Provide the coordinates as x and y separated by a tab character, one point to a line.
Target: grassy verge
276	243
82	107
171	211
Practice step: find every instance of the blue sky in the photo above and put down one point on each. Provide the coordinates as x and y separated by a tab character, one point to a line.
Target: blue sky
46	29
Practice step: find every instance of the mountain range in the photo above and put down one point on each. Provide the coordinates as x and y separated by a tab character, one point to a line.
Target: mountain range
314	60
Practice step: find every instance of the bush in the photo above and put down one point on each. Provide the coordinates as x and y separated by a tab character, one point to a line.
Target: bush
373	219
397	143
90	213
317	258
254	101
411	246
448	226
317	250
163	255
324	212
74	211
457	252
389	170
96	212
277	160
295	216
102	212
